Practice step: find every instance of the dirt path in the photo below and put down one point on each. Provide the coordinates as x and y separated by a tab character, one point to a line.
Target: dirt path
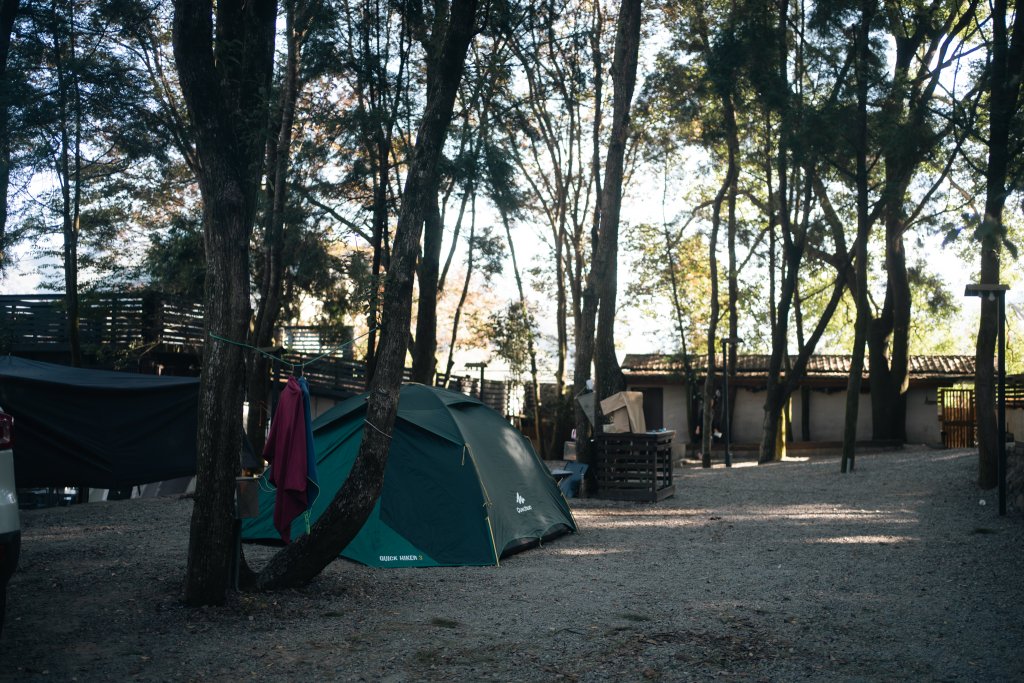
756	573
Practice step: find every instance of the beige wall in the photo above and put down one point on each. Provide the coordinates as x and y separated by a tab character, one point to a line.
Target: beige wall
1015	422
828	410
674	414
675	418
747	416
923	424
828	413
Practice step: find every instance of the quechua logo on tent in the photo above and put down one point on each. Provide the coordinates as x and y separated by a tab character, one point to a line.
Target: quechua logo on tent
521	506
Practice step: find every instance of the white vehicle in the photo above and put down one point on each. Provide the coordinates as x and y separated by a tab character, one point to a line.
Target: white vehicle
10	523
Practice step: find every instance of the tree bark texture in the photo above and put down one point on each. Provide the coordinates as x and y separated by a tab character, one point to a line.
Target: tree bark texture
732	304
382	134
424	352
424	356
69	166
904	148
1007	71
279	152
299	562
586	300
728	184
863	230
605	268
457	318
8	13
225	81
792	253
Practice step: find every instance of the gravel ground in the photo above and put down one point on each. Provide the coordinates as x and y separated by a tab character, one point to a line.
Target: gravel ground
789	571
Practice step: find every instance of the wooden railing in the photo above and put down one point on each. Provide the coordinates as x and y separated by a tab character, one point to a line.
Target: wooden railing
133	324
312	340
331	374
38	322
1015	395
328	374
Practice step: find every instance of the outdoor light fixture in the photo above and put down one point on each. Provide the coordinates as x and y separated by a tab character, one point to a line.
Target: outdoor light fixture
725	393
993	292
481	365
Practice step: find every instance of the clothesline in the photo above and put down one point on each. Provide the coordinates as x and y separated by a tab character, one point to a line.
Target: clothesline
293	366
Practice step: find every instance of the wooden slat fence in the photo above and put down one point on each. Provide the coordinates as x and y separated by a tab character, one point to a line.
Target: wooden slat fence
1015	395
959	424
38	323
123	322
312	340
327	373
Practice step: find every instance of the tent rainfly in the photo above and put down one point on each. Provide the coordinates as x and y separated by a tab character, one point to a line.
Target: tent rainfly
98	428
462	486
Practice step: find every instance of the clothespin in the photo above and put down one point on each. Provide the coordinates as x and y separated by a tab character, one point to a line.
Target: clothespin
297	370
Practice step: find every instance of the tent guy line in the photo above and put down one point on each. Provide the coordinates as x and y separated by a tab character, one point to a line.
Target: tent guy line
293	366
377	429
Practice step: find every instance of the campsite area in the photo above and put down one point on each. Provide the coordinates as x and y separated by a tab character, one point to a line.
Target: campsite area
780	572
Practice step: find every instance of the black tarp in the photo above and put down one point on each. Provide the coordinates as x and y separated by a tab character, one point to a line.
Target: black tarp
75	427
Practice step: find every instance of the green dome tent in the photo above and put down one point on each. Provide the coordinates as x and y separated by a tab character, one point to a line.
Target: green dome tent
462	486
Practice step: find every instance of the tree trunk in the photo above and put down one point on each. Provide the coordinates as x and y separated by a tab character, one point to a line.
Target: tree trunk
732	171
299	562
1007	71
534	387
225	82
380	227
272	284
863	230
561	422
457	318
585	306
424	359
688	374
792	252
731	346
605	268
708	404
889	368
69	166
8	13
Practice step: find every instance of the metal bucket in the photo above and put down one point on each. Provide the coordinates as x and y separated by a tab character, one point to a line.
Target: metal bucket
247	497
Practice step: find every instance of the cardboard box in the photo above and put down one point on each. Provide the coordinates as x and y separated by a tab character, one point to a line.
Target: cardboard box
625	411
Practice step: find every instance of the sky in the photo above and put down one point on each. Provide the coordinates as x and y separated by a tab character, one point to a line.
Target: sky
635	333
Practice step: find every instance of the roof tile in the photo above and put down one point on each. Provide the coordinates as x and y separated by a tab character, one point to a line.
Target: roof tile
822	365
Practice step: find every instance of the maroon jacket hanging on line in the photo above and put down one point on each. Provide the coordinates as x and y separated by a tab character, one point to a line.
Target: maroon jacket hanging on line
285	450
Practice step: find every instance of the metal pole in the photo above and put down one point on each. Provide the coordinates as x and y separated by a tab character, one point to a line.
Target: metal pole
725	401
1001	464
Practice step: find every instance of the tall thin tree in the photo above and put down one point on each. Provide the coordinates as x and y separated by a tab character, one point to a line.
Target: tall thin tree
348	510
1005	74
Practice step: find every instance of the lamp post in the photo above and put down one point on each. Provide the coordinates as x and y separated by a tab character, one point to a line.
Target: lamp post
725	394
481	365
994	292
